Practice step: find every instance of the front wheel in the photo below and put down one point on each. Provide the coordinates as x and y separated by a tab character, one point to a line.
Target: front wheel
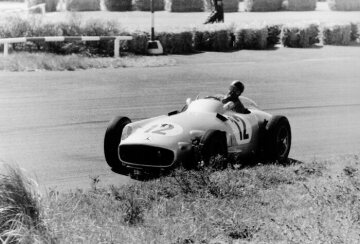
111	144
213	143
278	138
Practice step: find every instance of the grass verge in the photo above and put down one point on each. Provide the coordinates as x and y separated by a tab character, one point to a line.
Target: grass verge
314	202
43	61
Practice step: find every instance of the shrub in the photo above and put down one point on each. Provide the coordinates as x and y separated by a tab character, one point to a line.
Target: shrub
229	5
301	5
303	35
83	5
216	37
337	34
176	41
144	5
274	32
344	5
354	31
15	27
116	5
251	37
50	5
138	44
185	5
262	5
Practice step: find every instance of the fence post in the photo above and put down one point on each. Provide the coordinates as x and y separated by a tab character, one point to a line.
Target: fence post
117	47
6	49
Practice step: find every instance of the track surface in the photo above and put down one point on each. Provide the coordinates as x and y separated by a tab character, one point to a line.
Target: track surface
53	123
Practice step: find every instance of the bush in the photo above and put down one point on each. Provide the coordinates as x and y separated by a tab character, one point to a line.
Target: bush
337	34
251	37
274	32
50	5
301	5
138	44
144	5
116	5
83	5
229	5
354	31
344	5
185	5
176	41
304	35
262	5
216	37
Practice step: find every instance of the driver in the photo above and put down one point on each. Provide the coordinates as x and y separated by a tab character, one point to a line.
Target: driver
235	90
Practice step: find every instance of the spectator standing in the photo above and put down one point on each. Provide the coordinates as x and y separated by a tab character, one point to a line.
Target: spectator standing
217	15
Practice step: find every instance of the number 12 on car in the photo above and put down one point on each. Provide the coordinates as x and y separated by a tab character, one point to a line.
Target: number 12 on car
241	131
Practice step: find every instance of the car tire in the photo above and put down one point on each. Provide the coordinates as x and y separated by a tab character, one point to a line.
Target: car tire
278	138
213	143
111	143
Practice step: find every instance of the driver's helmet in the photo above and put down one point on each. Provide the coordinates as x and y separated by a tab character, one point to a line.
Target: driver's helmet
236	87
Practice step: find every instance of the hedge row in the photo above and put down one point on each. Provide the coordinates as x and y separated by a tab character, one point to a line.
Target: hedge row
216	37
229	5
199	5
144	5
300	5
263	5
344	5
184	5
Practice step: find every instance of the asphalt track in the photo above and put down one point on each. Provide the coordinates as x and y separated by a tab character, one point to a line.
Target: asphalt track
53	123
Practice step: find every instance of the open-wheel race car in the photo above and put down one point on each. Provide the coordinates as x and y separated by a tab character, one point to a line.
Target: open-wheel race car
168	141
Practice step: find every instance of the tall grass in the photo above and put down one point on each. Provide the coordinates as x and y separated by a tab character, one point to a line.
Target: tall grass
51	62
21	212
229	202
315	202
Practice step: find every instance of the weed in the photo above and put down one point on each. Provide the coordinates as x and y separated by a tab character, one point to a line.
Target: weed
20	209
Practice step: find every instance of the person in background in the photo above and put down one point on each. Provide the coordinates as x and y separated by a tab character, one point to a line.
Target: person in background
235	90
217	15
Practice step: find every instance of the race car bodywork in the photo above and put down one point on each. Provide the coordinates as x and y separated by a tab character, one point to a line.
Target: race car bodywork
167	141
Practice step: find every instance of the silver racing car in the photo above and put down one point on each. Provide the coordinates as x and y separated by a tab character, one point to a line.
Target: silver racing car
168	141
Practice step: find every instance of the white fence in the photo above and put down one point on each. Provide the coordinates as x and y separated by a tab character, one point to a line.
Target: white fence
117	39
26	9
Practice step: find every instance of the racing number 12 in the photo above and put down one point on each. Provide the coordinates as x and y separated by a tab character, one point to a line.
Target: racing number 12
161	130
243	133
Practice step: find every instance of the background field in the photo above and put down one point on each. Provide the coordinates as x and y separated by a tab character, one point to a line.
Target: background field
165	20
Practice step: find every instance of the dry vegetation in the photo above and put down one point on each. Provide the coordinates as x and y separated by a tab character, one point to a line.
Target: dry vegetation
315	202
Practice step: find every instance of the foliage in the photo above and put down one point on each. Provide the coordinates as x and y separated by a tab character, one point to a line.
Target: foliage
82	5
50	5
228	5
116	5
262	5
274	33
300	35
344	5
355	31
337	34
21	217
176	42
216	37
144	5
251	37
51	62
184	5
300	5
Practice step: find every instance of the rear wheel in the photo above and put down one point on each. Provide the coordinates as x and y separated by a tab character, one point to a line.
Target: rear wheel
111	144
278	139
213	143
